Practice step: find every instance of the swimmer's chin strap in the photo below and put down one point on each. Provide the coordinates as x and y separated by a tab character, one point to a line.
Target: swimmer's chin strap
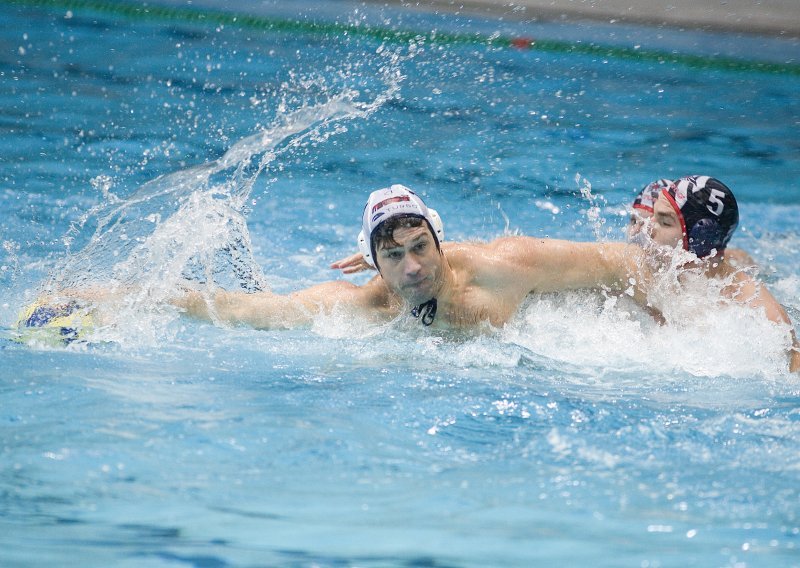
425	311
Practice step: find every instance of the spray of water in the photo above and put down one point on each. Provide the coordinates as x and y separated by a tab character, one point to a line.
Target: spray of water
189	227
594	214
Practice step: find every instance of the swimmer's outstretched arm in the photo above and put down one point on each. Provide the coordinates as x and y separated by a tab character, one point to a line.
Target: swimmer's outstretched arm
550	265
267	310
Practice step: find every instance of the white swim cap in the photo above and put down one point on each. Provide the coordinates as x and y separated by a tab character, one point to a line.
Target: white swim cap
384	204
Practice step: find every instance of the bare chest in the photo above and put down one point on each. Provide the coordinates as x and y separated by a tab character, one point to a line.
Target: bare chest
474	307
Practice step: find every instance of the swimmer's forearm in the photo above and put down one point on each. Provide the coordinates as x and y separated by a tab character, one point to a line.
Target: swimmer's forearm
193	304
263	310
565	265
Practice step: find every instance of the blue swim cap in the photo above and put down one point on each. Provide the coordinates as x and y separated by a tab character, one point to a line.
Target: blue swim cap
708	213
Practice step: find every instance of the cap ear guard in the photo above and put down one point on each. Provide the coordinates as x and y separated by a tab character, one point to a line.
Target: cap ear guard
436	224
706	235
366	251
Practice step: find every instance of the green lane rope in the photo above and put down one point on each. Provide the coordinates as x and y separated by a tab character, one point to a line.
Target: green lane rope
154	12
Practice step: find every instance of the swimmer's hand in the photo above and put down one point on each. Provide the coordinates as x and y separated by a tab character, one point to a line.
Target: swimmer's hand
352	264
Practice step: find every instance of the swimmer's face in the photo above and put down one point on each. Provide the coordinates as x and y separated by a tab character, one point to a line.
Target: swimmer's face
639	217
412	264
666	228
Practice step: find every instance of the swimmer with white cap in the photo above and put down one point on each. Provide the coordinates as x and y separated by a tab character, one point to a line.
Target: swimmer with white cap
443	284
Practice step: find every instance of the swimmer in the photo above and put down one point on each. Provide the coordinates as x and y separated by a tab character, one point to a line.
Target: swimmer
642	212
699	214
442	284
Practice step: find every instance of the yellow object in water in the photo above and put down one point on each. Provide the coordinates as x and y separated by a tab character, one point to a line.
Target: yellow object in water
54	324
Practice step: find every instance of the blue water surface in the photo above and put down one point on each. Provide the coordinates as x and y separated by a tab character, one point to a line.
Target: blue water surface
582	434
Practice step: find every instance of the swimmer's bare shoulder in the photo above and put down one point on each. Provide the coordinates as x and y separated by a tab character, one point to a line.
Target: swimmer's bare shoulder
747	290
739	258
479	264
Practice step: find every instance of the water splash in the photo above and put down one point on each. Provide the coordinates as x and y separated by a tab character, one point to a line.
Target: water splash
190	225
594	214
9	263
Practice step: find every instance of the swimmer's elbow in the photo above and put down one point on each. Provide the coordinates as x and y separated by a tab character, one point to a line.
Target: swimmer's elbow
775	313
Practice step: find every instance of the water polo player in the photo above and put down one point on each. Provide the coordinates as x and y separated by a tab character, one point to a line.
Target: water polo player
695	211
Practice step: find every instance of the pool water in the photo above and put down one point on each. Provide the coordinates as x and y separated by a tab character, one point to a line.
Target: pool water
139	152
